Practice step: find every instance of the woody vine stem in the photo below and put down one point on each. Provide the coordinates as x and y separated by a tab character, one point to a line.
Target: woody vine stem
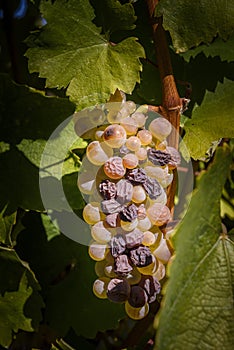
172	104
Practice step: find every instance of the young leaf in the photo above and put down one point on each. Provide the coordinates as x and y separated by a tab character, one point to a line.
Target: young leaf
191	23
71	52
211	121
198	309
20	303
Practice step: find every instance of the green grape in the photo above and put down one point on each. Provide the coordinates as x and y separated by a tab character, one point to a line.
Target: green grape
144	224
86	176
149	269
160	272
113	112
149	238
86	182
114	136
129	125
109	270
162	252
129	226
130	161
145	137
99	268
136	313
91	213
98	153
141	153
142	109
101	233
100	287
161	145
131	106
160	128
99	135
160	174
98	251
139	194
140	119
133	143
158	214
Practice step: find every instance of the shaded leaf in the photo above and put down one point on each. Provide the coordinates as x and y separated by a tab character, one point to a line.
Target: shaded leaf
4	147
219	47
50	227
112	16
191	23
71	52
19	183
198	307
6	224
20	303
58	152
211	121
66	274
27	113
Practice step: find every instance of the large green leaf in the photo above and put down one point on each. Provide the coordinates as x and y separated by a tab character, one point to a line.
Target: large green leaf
71	52
211	121
193	22
66	274
198	311
219	47
20	303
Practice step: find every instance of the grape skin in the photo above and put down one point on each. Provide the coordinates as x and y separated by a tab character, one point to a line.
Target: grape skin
136	313
100	287
114	136
100	233
98	251
91	213
98	153
130	161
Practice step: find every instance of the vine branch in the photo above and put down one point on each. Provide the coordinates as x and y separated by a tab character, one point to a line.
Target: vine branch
172	104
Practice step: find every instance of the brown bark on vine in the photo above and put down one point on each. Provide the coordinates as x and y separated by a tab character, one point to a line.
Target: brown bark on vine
171	105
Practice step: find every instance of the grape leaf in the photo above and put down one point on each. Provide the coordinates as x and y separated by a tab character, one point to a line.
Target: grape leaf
20	303
27	113
150	88
51	228
198	308
223	49
66	274
112	16
193	22
6	224
19	181
211	121
71	52
58	152
4	147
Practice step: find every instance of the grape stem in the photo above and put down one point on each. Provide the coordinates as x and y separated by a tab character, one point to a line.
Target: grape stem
172	105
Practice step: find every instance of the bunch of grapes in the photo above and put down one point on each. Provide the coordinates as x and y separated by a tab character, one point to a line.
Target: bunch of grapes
126	173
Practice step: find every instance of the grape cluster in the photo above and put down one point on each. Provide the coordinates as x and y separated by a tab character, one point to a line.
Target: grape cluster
127	205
